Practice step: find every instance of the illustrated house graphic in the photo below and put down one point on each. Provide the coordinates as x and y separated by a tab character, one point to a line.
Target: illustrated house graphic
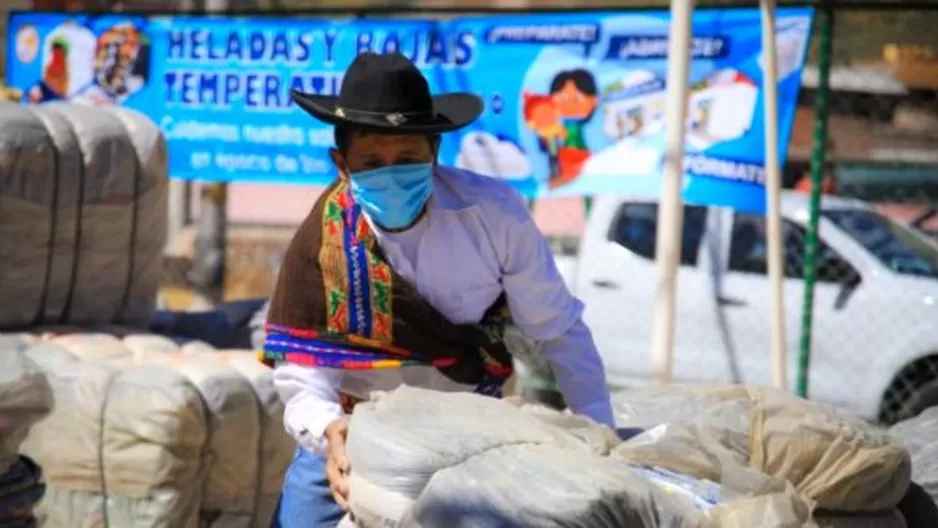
720	107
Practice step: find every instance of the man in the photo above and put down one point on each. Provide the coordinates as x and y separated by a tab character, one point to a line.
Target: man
407	272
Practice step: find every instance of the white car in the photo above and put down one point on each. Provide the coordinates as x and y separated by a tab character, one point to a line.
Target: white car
875	345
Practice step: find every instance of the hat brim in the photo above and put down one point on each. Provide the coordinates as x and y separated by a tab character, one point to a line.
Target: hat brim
453	111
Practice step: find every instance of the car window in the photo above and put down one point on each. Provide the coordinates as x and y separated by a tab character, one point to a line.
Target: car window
748	250
636	229
900	248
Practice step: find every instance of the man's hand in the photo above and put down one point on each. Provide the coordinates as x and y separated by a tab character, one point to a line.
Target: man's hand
337	466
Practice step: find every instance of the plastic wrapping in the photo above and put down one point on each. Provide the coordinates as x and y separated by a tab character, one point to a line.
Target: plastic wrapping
146	434
422	458
546	485
733	457
920	436
714	433
82	215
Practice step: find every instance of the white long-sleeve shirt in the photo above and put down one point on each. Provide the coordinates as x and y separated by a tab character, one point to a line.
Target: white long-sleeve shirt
476	241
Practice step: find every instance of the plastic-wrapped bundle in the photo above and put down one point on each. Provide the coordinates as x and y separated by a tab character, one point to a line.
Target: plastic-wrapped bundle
119	444
838	461
920	436
549	486
146	433
276	447
82	214
422	458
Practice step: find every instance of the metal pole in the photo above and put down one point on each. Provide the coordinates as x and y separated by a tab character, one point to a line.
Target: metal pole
208	273
818	156
177	210
671	212
773	191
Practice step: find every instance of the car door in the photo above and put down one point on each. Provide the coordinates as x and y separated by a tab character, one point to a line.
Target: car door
744	296
617	280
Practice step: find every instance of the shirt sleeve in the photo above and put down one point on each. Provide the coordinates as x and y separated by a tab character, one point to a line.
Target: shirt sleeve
311	402
579	372
544	310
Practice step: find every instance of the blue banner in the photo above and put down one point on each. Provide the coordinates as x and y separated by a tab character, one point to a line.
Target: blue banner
574	102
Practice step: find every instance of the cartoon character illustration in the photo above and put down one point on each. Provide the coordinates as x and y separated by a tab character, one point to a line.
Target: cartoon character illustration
543	117
574	94
121	63
55	76
559	119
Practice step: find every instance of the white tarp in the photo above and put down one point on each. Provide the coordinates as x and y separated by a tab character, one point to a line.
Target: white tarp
82	215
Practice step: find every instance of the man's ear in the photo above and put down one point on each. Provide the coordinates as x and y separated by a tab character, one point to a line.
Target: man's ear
339	163
435	146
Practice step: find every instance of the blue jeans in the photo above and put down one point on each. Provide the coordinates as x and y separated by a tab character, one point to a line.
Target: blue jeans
306	500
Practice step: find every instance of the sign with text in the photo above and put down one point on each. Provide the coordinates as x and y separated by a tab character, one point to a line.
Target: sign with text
574	102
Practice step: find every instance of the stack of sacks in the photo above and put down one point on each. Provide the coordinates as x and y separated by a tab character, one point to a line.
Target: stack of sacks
728	434
82	215
147	433
24	399
748	458
421	458
920	436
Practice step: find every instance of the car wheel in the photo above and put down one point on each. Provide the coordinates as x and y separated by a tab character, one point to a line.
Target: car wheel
914	389
919	399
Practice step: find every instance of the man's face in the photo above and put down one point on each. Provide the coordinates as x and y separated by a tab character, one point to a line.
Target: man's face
367	151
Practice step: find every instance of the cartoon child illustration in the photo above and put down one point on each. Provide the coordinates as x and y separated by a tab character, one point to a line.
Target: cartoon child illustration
120	64
543	117
55	76
574	94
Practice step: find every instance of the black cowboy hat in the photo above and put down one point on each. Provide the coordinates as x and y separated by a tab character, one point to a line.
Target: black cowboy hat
387	93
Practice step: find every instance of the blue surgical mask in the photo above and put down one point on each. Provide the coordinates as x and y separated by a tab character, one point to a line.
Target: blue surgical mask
393	196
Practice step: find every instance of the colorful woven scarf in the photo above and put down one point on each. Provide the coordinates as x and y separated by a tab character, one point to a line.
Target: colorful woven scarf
339	304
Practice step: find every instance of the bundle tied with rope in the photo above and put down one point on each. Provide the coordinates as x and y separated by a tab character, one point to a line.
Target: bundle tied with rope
82	215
